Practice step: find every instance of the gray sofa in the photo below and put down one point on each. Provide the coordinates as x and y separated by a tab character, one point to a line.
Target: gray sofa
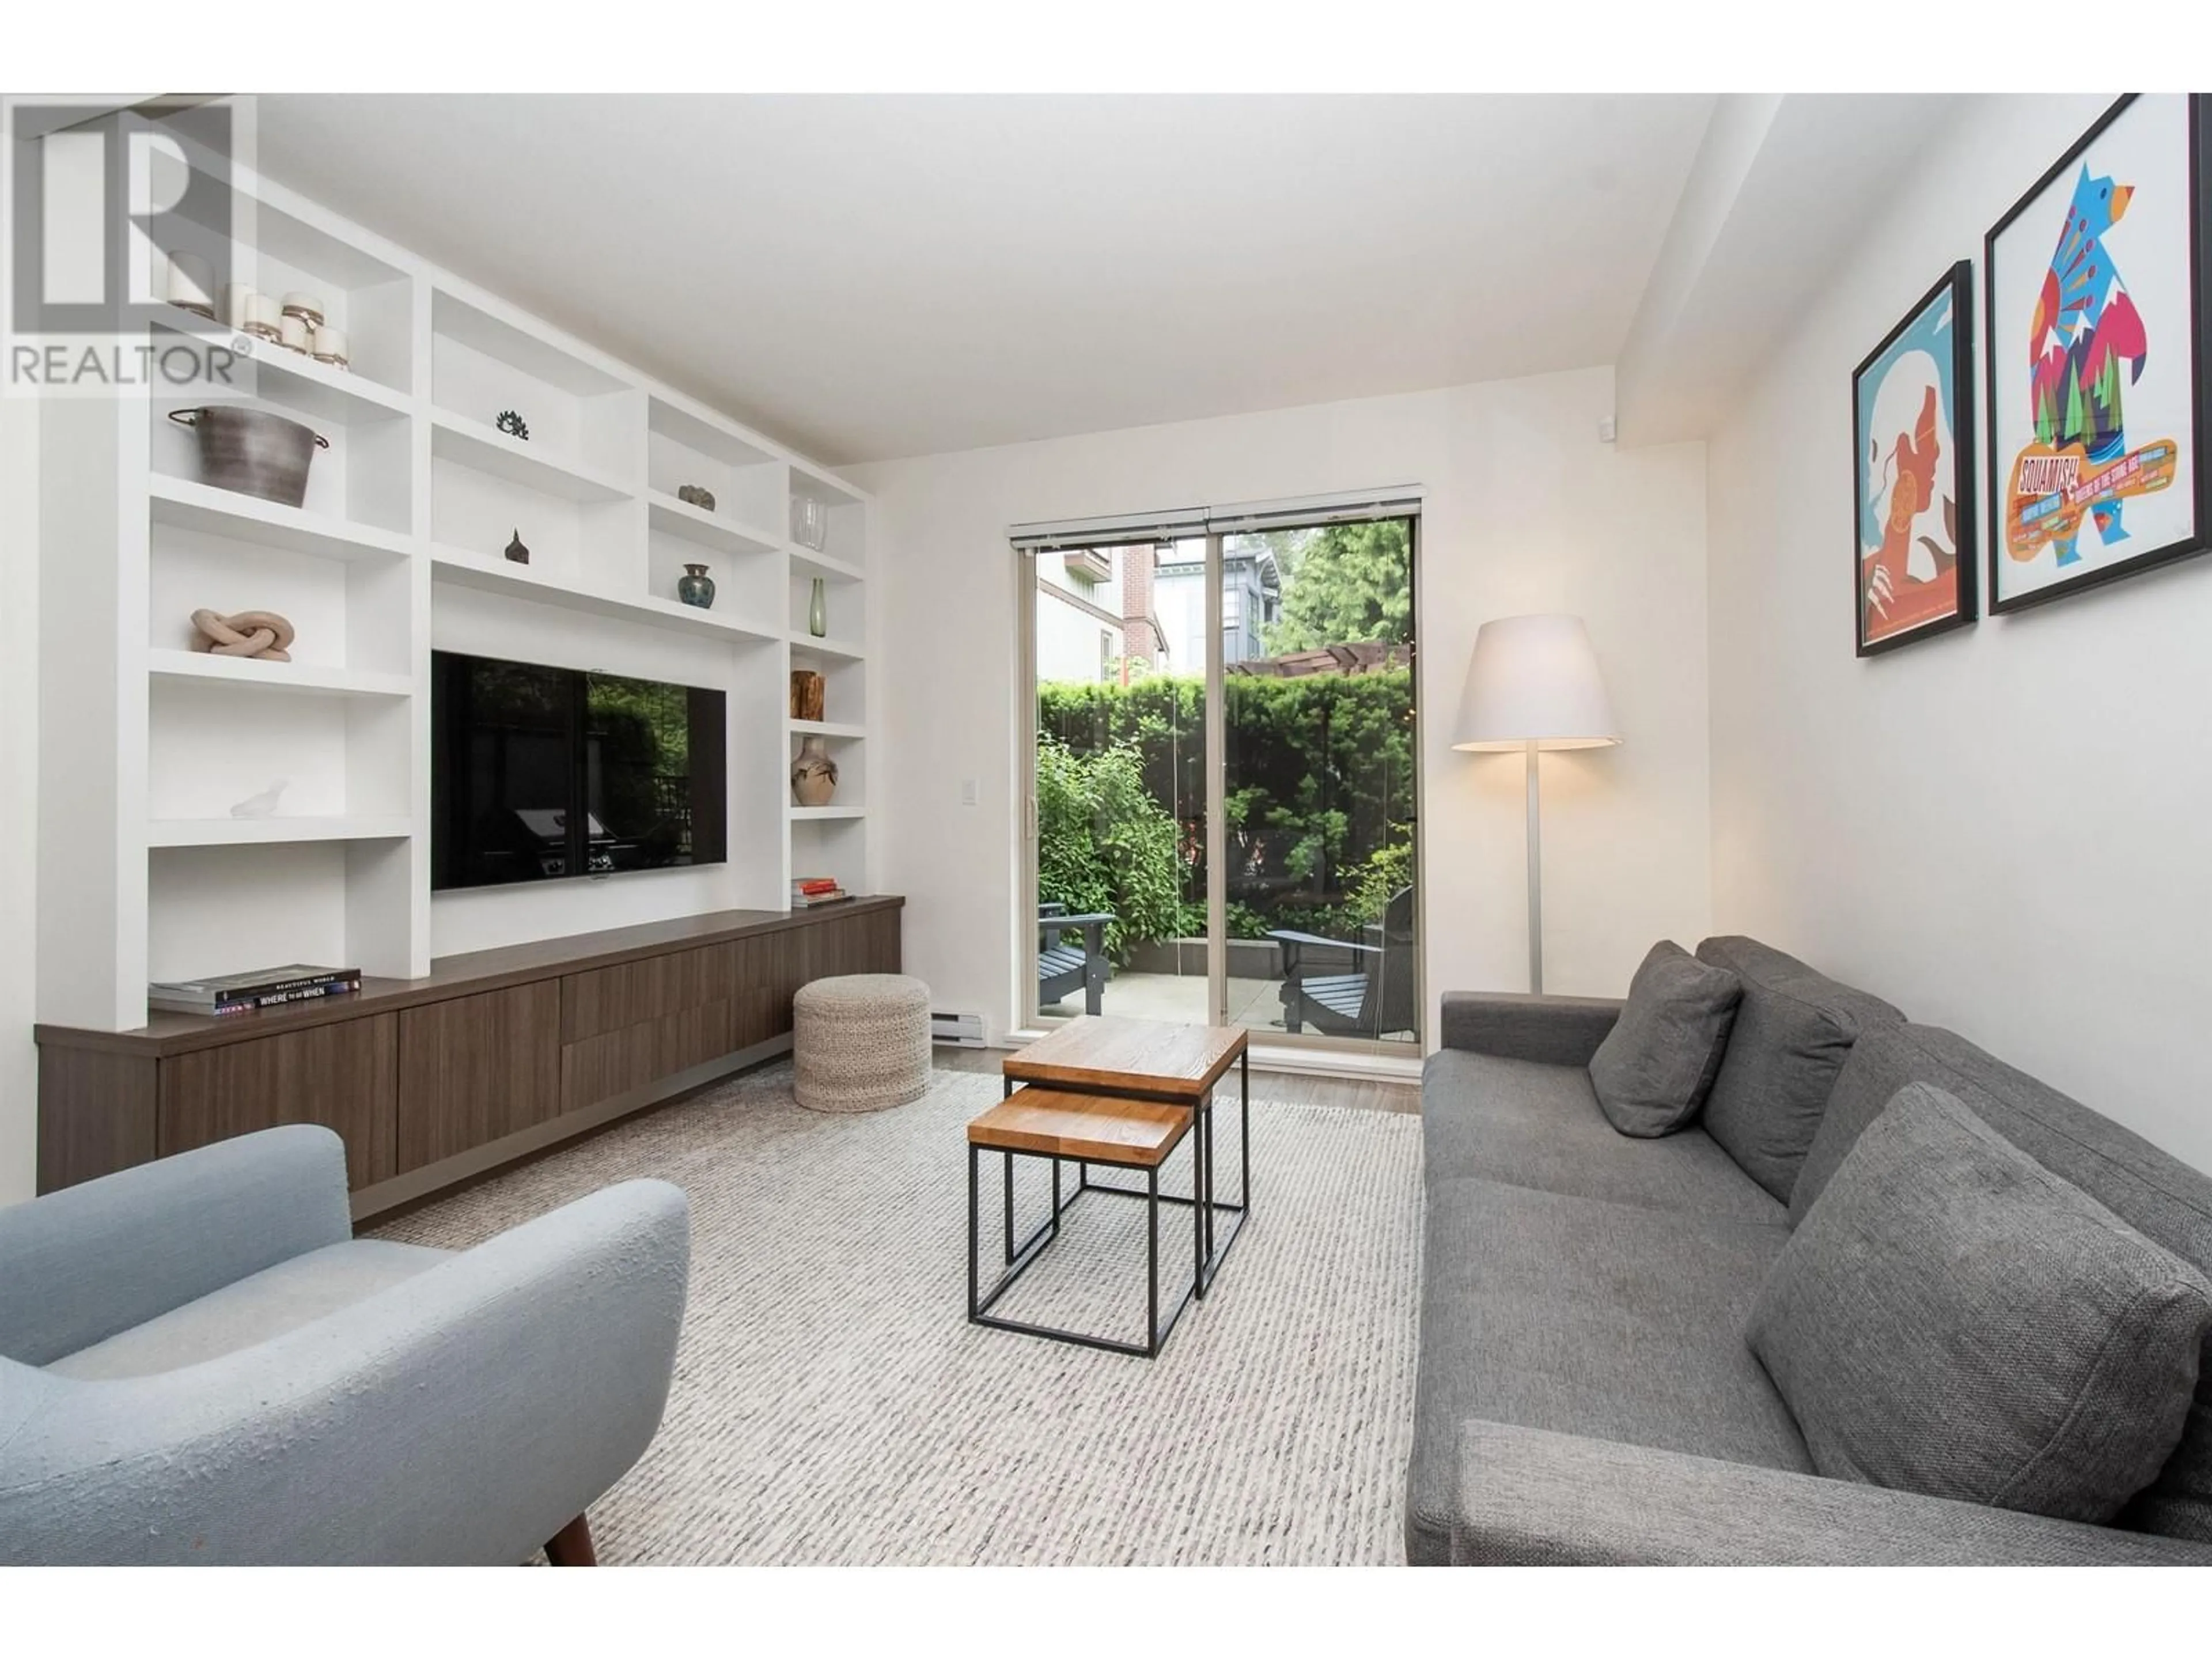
1586	1394
199	1362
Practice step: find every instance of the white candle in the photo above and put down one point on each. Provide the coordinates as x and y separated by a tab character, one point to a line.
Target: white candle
329	345
191	283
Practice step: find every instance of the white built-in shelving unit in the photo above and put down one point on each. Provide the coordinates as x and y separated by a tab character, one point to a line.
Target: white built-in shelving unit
145	872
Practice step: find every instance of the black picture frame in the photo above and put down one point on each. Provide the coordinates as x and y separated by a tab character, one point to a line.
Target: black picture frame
2200	274
1956	284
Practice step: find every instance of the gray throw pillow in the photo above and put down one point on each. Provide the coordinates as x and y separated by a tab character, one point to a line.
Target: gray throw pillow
1951	1318
1653	1069
1794	1030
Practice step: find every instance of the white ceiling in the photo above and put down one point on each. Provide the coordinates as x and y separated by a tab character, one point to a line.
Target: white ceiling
876	277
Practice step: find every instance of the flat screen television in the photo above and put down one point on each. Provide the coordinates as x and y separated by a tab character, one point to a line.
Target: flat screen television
543	774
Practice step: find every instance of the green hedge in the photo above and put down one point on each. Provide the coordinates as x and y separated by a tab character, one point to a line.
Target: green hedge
1321	801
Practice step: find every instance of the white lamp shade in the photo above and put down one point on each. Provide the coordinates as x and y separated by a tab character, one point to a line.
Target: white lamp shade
1534	679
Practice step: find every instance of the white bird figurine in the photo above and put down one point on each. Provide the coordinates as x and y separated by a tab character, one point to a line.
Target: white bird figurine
261	806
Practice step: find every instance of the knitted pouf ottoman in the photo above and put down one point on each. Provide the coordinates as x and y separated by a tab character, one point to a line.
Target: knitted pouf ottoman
860	1042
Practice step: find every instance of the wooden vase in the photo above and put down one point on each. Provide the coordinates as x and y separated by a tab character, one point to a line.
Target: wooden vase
805	694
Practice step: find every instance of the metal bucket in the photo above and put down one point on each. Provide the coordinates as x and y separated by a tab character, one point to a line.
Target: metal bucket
252	451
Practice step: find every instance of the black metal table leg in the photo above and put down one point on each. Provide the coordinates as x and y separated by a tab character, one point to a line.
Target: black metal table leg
1152	1260
1197	1226
982	1301
1009	1185
974	1160
1244	1128
1206	1132
1216	1254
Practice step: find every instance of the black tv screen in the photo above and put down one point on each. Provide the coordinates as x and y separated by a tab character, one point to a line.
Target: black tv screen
540	774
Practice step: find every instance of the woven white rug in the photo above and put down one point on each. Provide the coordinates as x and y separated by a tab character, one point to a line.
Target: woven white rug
833	1405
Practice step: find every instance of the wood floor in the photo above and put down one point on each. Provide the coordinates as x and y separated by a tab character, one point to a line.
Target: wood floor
1280	1085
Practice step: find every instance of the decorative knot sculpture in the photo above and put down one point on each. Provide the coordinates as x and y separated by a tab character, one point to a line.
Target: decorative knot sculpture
244	633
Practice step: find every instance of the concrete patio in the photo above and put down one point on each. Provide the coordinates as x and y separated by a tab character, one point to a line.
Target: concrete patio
1255	1004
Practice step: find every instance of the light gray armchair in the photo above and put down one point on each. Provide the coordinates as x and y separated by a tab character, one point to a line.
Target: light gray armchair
198	1362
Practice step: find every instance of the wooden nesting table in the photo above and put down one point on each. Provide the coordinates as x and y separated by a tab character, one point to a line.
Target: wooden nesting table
1123	1093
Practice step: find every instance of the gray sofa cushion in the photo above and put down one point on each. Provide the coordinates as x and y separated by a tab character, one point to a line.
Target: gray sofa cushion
252	1309
1653	1069
1793	1031
1590	1318
1533	1125
2154	1192
1951	1318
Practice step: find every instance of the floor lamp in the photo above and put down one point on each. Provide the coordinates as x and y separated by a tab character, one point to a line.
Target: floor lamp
1534	684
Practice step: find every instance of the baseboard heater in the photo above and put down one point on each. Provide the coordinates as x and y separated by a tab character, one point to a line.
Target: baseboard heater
965	1031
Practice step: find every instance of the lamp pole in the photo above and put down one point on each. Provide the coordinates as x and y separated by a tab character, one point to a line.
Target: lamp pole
1535	876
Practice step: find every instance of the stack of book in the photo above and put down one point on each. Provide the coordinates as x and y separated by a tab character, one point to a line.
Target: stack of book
807	891
259	988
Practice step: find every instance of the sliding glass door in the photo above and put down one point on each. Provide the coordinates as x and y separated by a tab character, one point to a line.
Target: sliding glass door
1318	789
1223	794
1118	791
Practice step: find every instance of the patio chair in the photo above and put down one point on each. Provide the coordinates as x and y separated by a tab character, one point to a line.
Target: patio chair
1061	967
1345	988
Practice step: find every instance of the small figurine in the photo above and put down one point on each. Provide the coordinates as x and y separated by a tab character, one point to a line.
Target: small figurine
698	495
262	633
512	424
516	552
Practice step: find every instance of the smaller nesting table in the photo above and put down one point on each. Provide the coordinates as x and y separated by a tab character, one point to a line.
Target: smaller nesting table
1123	1093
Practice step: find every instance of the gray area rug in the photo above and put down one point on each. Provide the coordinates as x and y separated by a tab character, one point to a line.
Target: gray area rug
832	1403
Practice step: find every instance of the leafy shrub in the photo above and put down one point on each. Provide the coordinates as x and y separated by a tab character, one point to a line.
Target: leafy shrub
1321	811
1105	846
1375	883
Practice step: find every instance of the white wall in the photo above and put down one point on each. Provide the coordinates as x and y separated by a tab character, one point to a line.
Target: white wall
19	760
2003	829
1526	510
19	806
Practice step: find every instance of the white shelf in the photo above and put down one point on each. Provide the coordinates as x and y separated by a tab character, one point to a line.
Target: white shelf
808	481
836	569
484	449
337	396
265	832
317	678
521	581
496	331
712	531
332	397
183	504
401	556
803	643
674	613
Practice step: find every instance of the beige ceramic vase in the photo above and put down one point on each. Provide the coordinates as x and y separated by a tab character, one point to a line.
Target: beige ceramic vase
813	775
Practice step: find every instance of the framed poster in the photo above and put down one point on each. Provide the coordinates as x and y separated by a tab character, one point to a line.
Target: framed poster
1912	414
2095	363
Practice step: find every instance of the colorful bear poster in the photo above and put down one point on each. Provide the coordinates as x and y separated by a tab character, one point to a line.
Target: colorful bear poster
2093	363
1913	413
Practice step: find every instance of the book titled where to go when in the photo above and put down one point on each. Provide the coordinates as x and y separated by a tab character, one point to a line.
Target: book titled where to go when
256	988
